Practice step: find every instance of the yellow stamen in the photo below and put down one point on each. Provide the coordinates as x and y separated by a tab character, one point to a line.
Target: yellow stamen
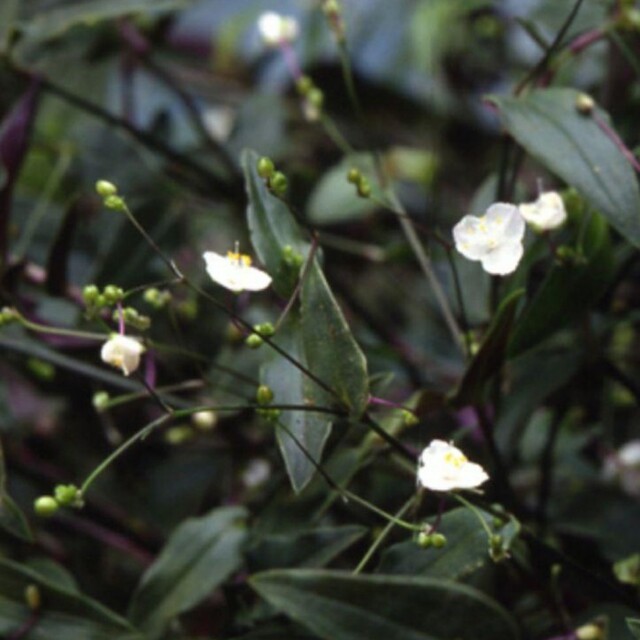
239	258
454	459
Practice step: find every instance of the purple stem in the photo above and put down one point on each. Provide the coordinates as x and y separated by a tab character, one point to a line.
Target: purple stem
120	319
615	138
291	59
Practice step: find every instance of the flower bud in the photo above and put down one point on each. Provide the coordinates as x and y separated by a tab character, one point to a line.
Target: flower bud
264	395
585	104
364	188
438	540
114	202
178	435
291	257
304	85
8	315
316	97
590	632
156	298
270	415
100	400
253	341
354	176
106	189
67	495
278	183
424	540
112	294
32	597
45	506
266	168
265	329
409	419
90	294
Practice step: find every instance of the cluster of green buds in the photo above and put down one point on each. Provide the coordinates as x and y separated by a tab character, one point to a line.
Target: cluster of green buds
96	300
276	180
333	12
264	397
426	539
361	183
156	298
263	330
292	258
8	315
132	318
109	193
409	419
312	98
64	495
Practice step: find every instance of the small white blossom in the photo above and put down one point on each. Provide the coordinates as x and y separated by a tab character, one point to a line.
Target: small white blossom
205	420
624	466
219	121
494	239
234	271
122	352
443	467
256	472
276	29
547	212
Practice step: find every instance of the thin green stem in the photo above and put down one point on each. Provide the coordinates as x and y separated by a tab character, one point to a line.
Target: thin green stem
347	74
475	511
59	331
381	512
140	435
333	132
382	536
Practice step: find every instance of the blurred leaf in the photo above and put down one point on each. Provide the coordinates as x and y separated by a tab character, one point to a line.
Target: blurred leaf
200	555
335	200
272	227
64	613
466	551
8	19
491	354
11	517
53	572
57	263
43	20
340	606
329	345
291	386
568	292
634	626
14	144
573	146
314	548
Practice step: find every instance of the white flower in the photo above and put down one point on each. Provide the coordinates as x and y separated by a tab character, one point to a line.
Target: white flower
219	121
256	472
624	466
122	352
276	29
547	212
234	271
495	238
443	467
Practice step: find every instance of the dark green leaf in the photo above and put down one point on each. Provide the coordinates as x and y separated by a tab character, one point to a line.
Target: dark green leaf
568	292
491	354
63	613
272	227
339	606
466	551
634	627
314	548
291	386
329	345
575	147
199	556
11	517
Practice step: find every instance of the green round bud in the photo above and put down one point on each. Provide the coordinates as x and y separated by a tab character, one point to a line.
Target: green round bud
354	176
331	8
100	400
100	301
106	189
265	329
266	168
316	98
32	597
178	434
8	315
438	540
304	85
278	183
253	341
264	395
291	257
45	506
364	188
496	541
66	495
590	632
90	294
114	202
424	540
270	415
112	294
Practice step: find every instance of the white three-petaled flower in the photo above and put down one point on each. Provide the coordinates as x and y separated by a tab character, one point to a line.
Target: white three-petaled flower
547	212
234	271
494	239
122	352
276	29
443	467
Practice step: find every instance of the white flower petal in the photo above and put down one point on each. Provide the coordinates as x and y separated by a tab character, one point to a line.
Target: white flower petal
547	212
504	259
471	238
443	467
276	29
235	274
504	221
122	352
